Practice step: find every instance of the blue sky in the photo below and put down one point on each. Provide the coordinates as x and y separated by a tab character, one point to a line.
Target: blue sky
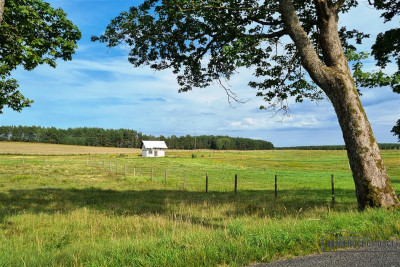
99	88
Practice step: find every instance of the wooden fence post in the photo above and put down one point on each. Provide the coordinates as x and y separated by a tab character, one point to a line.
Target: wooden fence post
276	186
236	178
206	182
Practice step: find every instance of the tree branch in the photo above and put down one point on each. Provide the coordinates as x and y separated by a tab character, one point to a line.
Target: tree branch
309	57
266	23
230	94
323	8
289	68
186	10
339	3
199	56
267	35
2	2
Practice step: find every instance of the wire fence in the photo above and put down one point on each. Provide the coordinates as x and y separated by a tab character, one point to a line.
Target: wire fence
332	187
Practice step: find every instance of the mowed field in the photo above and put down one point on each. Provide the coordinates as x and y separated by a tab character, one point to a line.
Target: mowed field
51	149
61	206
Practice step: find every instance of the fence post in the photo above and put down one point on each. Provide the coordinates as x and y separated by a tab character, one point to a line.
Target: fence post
206	182
184	180
134	171
333	190
276	186
236	178
166	176
23	161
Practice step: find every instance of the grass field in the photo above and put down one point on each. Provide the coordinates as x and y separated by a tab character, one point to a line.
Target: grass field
51	149
60	206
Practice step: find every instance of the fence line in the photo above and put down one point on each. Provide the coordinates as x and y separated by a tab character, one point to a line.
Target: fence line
152	173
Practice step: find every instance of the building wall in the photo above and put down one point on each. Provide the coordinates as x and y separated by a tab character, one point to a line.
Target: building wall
161	153
146	153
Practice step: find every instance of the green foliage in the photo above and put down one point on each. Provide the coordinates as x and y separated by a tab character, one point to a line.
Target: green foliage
124	138
31	33
396	130
391	8
387	45
11	97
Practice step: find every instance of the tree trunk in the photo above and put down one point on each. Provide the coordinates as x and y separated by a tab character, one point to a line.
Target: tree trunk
333	76
373	186
2	2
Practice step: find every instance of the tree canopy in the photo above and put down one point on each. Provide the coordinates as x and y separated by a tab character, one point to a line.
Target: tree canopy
294	47
31	33
207	41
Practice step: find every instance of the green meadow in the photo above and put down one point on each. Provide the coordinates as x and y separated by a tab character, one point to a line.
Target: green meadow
124	210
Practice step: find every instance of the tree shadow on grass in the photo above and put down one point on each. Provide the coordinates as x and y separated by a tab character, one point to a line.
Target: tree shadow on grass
167	202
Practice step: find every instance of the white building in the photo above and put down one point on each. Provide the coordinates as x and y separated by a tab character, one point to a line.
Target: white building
152	149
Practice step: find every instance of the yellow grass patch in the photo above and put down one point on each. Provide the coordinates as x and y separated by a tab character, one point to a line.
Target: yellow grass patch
52	149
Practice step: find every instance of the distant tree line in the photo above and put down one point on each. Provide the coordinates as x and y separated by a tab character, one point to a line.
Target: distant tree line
215	142
124	138
336	147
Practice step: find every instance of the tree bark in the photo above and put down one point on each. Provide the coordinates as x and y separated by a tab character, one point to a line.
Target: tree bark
333	76
373	186
2	2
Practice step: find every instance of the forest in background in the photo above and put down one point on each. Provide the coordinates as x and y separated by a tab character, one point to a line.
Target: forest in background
124	138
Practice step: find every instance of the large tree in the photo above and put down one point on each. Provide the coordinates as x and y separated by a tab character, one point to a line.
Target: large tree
294	47
31	33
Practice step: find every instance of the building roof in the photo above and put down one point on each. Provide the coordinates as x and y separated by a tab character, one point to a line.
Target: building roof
154	144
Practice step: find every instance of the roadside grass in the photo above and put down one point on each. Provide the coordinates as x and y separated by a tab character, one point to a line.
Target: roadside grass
71	210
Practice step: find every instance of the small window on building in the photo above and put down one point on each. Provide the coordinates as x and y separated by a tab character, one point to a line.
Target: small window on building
150	151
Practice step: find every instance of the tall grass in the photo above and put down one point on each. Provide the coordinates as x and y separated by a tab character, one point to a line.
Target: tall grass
71	213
